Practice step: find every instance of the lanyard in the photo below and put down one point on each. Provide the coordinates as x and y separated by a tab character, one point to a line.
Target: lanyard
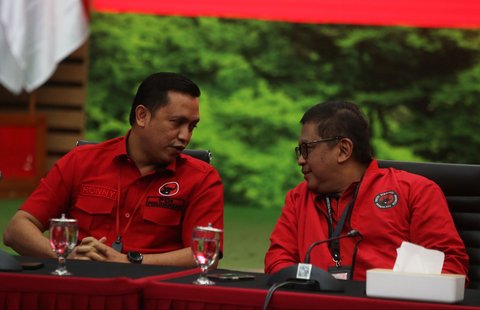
117	244
335	244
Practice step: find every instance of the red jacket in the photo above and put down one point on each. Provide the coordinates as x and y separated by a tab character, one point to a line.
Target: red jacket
392	206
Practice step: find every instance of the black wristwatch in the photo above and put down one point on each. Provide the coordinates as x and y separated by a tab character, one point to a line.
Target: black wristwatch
135	257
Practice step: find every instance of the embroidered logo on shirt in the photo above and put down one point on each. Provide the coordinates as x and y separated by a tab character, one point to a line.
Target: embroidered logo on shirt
169	189
386	200
93	190
165	202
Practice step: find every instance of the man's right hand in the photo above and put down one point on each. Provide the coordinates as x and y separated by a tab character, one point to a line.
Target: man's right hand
95	249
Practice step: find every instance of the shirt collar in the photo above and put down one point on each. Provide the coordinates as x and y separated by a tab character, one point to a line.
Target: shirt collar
372	166
120	153
120	148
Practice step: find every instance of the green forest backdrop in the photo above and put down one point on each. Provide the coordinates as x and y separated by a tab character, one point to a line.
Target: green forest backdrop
419	87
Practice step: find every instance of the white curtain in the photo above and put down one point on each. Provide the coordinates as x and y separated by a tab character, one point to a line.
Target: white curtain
35	35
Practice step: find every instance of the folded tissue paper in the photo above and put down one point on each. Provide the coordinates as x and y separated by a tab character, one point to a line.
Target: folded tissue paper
416	275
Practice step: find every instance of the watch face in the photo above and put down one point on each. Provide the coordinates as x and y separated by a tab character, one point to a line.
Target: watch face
135	257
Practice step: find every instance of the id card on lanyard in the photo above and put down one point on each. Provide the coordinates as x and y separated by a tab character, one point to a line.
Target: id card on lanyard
339	271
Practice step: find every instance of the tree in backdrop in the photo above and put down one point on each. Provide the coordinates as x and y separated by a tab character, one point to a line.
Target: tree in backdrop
419	88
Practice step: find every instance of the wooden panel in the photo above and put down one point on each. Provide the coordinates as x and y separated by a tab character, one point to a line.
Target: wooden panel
51	160
13	107
7	97
61	95
61	119
80	53
61	142
70	72
61	100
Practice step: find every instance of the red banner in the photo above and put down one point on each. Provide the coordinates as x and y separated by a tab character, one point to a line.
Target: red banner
18	152
418	13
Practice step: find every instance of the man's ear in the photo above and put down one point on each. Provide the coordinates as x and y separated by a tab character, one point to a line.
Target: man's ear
142	115
345	149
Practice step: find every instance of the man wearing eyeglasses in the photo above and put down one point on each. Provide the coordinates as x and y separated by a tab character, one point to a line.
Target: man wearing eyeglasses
344	190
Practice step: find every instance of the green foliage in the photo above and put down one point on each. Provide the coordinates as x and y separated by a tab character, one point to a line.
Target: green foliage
8	207
246	232
419	88
256	126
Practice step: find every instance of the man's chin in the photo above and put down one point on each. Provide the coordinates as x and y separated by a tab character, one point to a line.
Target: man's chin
166	158
313	186
171	157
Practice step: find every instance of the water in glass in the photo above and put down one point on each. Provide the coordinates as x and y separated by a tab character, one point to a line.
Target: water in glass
63	239
205	248
205	251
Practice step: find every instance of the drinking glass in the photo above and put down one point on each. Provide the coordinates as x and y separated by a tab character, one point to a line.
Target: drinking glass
63	239
205	247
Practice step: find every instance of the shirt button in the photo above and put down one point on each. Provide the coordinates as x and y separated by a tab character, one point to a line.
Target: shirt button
127	215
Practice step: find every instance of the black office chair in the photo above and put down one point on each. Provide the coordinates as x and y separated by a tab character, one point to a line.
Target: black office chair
204	155
461	186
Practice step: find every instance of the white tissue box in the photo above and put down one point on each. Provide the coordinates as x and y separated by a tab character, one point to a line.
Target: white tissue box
384	283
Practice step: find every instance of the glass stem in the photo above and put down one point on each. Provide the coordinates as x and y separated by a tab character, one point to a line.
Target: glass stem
204	270
62	263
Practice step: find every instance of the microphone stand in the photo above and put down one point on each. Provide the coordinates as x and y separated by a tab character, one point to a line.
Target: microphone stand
351	233
309	276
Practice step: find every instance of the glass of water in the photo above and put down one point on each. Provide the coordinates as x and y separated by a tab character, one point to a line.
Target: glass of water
63	239
205	248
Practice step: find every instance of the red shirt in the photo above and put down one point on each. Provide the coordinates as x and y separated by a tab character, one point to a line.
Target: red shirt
391	206
156	212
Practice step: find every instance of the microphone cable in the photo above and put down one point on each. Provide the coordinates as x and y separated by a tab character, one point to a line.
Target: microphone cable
276	286
354	258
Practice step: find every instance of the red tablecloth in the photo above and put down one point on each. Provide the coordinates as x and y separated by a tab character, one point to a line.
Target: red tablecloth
127	286
22	291
173	295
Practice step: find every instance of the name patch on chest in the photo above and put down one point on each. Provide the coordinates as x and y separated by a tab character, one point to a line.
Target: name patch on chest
98	191
165	202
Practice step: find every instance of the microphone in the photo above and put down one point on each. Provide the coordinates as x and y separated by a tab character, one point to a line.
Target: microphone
351	233
309	275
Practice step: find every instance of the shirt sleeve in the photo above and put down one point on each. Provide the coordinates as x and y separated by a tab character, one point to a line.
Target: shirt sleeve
432	225
205	206
283	250
51	198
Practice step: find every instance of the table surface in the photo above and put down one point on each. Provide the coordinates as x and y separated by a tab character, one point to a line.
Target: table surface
154	279
351	288
91	269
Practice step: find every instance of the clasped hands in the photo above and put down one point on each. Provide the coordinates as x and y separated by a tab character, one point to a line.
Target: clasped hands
91	248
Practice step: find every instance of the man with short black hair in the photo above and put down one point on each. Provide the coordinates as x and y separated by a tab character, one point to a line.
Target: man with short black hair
345	190
136	198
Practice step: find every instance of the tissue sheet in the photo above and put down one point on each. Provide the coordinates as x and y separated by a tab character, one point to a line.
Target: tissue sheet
417	259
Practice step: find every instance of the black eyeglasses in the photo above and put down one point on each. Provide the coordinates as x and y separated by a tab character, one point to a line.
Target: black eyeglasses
302	148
